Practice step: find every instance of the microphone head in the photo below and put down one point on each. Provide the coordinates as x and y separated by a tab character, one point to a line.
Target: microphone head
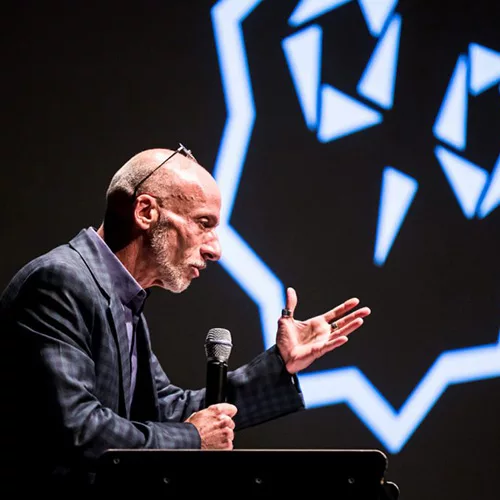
218	344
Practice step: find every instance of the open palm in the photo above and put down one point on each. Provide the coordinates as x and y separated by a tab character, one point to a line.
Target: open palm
302	342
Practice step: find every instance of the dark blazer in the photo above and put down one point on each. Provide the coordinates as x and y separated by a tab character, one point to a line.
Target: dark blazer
65	367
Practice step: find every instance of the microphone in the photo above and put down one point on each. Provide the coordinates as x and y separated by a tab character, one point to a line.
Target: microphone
217	349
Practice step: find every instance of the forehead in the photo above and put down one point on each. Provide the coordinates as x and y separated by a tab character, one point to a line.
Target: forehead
194	189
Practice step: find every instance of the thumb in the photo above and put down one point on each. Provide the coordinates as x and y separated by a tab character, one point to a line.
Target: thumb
227	409
291	299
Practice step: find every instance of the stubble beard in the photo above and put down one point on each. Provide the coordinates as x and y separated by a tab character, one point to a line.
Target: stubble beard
171	276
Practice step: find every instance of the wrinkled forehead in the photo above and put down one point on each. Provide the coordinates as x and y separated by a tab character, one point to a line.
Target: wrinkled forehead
194	186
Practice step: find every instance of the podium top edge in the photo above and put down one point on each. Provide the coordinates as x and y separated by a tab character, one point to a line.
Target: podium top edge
251	450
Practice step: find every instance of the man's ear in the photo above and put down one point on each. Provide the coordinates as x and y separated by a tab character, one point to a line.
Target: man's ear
146	211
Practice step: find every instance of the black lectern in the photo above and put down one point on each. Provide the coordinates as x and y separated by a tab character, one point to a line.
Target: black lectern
343	474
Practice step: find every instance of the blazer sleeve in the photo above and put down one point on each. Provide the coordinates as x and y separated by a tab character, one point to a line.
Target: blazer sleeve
51	325
261	390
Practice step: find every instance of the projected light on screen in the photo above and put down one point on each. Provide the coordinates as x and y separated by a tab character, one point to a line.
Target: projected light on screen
331	114
477	192
341	114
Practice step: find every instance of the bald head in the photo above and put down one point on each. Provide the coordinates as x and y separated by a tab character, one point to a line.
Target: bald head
178	181
173	173
135	170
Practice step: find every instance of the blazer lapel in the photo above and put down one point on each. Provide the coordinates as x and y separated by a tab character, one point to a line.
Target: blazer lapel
84	244
117	322
145	400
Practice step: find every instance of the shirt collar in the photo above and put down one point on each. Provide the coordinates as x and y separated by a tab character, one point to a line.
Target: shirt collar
131	294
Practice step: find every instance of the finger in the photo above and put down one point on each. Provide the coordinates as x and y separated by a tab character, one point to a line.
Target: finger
360	313
226	421
226	409
331	344
347	329
228	442
191	417
291	300
340	310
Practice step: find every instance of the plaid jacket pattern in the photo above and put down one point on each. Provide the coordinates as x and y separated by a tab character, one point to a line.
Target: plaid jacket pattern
66	368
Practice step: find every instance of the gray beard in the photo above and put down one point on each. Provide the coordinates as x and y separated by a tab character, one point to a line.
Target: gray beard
170	275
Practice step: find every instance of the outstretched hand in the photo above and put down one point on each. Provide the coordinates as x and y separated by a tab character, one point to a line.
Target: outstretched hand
302	342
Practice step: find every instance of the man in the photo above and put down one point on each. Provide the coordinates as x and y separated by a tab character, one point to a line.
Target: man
78	374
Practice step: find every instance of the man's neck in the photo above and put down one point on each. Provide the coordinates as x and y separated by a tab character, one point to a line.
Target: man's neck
130	256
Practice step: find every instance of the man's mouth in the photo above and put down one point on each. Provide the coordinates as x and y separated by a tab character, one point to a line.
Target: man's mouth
197	269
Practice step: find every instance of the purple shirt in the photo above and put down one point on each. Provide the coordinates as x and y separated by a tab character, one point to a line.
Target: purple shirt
132	297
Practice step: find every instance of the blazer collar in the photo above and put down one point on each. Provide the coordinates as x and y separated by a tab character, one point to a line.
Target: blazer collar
85	245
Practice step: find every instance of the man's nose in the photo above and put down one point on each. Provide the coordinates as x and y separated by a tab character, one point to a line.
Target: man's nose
211	250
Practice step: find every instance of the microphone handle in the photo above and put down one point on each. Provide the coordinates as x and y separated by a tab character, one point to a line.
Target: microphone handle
216	382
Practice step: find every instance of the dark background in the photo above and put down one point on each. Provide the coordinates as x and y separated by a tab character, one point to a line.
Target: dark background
85	86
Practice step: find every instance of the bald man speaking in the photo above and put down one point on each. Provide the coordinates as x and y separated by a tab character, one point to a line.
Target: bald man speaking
78	373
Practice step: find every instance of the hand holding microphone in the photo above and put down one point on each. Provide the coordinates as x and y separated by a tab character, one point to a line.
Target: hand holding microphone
215	423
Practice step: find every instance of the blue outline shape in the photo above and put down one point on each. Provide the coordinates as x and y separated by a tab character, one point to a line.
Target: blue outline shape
467	180
376	14
451	128
450	125
491	198
484	68
227	16
305	69
342	115
378	81
397	194
452	367
394	428
312	11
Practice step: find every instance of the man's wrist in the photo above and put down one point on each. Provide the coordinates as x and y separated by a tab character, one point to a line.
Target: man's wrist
293	376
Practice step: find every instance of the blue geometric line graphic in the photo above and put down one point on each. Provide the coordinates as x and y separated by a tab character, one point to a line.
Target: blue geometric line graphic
342	115
491	199
477	192
451	123
253	276
485	68
330	387
226	18
398	192
378	81
303	54
310	9
466	179
376	13
350	386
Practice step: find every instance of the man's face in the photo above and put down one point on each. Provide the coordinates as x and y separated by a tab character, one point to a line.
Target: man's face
184	238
